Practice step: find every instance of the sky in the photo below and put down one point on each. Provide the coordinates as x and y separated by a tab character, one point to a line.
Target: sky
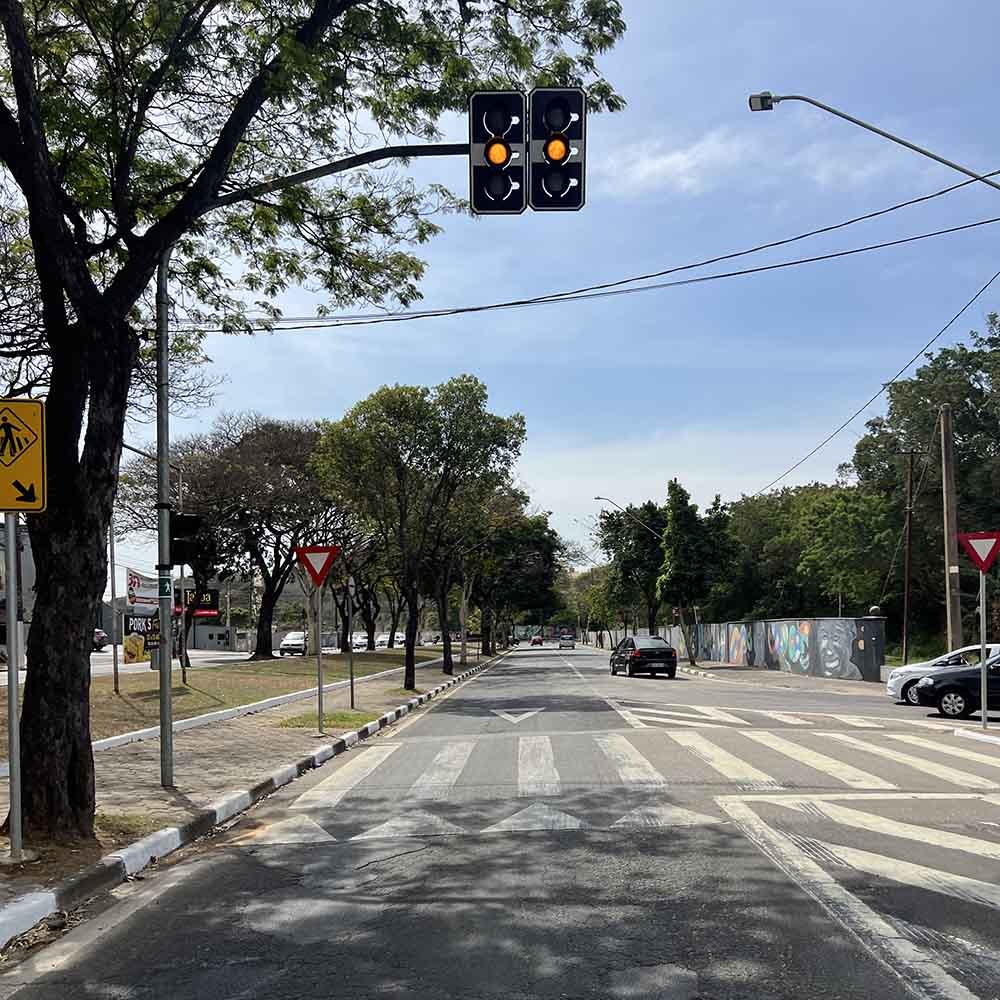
726	384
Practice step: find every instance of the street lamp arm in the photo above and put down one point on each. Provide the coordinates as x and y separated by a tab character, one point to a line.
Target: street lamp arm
628	513
775	99
338	167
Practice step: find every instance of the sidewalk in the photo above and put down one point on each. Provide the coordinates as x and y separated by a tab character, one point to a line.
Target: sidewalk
209	763
782	679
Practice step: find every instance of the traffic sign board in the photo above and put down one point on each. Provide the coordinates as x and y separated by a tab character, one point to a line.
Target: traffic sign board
23	482
317	560
982	547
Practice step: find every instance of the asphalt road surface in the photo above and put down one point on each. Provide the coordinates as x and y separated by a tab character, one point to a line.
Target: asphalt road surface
550	831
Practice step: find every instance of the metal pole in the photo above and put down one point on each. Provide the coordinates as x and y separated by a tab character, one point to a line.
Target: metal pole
13	721
182	645
953	598
114	606
350	634
463	614
907	557
319	658
984	674
166	589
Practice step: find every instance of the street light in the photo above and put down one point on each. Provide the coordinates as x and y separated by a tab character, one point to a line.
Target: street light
765	101
628	513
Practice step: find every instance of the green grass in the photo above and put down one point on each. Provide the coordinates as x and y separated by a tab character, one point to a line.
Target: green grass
405	692
346	719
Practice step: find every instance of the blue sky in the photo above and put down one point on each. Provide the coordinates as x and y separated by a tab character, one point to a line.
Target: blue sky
726	384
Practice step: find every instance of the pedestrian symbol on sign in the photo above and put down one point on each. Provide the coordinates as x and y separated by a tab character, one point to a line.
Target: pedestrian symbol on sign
16	437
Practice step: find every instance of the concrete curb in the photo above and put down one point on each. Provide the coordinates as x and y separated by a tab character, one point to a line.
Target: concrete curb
696	673
971	734
225	714
23	912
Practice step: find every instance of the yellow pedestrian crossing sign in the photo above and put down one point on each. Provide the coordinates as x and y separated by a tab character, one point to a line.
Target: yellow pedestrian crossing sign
23	469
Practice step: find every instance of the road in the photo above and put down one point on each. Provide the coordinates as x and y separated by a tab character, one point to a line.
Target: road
550	831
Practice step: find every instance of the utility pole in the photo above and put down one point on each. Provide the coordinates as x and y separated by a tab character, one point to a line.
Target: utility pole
952	592
114	603
907	554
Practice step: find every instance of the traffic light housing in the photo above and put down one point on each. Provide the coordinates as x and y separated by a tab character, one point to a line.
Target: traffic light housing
497	152
184	541
557	149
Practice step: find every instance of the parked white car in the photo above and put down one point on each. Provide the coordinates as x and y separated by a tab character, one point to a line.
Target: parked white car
293	644
381	641
901	684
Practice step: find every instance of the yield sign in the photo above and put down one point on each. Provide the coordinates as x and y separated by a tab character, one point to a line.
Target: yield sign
982	547
317	560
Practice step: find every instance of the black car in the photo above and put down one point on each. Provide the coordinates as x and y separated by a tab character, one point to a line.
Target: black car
956	693
649	654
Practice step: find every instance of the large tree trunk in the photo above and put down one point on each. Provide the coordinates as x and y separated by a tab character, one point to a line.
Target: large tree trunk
412	623
396	611
688	638
486	630
442	608
264	646
68	543
651	618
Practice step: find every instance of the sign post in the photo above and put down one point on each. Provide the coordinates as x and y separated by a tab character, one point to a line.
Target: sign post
23	489
350	634
982	548
317	560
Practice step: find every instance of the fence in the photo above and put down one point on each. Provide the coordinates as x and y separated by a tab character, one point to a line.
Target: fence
843	648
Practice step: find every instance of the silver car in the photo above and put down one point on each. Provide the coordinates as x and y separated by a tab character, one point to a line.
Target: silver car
901	684
567	642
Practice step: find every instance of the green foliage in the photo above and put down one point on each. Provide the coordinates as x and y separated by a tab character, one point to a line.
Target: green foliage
683	578
631	539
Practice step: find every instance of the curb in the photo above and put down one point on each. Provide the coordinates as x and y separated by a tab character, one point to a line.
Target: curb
236	712
971	734
697	673
23	912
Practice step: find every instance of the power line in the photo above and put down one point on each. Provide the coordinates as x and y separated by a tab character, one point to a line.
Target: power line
562	298
572	293
885	386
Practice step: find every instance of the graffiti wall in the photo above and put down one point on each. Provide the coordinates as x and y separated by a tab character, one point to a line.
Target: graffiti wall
843	648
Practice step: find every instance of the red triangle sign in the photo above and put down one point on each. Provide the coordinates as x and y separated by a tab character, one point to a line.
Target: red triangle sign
317	560
982	547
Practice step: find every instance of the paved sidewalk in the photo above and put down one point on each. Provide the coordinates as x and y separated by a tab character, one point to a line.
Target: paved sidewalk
782	679
209	762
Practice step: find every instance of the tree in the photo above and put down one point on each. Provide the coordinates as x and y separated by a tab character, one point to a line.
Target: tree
636	555
120	128
400	457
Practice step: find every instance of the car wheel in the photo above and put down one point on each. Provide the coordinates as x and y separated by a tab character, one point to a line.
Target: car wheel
614	672
909	694
672	673
954	704
281	651
629	672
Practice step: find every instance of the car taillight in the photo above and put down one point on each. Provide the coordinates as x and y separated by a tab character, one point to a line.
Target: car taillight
636	654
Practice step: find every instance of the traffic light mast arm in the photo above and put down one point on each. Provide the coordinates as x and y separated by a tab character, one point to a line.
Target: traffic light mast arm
339	166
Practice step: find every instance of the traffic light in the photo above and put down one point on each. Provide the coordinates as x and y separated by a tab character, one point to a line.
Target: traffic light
184	541
557	139
497	151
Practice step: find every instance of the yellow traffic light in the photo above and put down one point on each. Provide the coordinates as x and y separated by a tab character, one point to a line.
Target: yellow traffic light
557	149
497	153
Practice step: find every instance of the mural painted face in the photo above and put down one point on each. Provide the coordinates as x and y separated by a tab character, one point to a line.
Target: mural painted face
835	640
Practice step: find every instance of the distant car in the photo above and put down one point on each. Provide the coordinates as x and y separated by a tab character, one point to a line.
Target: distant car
536	640
100	639
359	643
293	644
567	642
649	654
901	684
381	641
956	692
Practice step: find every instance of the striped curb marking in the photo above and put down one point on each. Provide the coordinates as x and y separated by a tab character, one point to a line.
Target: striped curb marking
24	911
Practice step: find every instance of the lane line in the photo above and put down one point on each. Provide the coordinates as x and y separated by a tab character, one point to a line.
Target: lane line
536	767
960	752
331	790
849	775
724	762
626	715
926	835
903	959
970	890
633	768
438	780
961	778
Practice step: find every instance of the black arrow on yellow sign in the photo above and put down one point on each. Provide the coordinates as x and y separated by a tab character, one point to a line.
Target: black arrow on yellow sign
25	494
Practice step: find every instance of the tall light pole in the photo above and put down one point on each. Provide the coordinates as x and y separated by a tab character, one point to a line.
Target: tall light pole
765	101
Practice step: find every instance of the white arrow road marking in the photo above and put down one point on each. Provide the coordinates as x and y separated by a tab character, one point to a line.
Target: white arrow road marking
632	766
724	762
294	830
439	778
924	978
971	890
517	715
538	816
896	828
849	775
536	767
330	791
960	778
665	815
413	823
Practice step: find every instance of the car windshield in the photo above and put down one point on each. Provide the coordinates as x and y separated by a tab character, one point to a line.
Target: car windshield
651	642
295	636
